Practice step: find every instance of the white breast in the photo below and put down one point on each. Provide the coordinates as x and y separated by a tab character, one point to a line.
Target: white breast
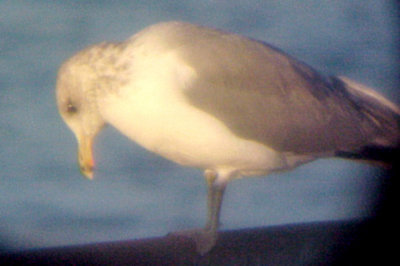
152	111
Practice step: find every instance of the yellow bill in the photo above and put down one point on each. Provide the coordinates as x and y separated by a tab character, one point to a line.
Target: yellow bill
85	156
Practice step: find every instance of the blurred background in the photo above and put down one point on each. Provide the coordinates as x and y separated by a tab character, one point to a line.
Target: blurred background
44	201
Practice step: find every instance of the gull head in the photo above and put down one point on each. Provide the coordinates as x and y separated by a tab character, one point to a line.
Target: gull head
77	105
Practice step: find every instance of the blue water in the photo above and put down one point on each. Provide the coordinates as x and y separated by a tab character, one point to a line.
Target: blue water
45	202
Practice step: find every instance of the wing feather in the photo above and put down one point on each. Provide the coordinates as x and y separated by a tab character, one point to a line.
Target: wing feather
265	95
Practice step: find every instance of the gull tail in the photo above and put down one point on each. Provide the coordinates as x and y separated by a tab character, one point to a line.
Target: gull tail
382	127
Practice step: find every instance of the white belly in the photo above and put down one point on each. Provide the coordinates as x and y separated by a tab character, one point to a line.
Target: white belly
153	112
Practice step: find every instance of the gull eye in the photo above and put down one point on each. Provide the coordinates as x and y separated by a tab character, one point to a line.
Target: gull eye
71	109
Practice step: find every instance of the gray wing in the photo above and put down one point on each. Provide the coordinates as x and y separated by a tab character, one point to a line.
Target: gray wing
267	96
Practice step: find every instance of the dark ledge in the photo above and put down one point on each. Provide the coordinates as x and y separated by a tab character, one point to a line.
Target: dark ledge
323	243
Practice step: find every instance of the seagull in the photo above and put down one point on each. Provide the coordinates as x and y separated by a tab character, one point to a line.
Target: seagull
224	103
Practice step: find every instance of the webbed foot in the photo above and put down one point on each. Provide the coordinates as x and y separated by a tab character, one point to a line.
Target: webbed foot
204	239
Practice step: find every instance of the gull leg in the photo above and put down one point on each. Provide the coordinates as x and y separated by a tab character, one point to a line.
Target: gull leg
205	238
215	194
214	200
